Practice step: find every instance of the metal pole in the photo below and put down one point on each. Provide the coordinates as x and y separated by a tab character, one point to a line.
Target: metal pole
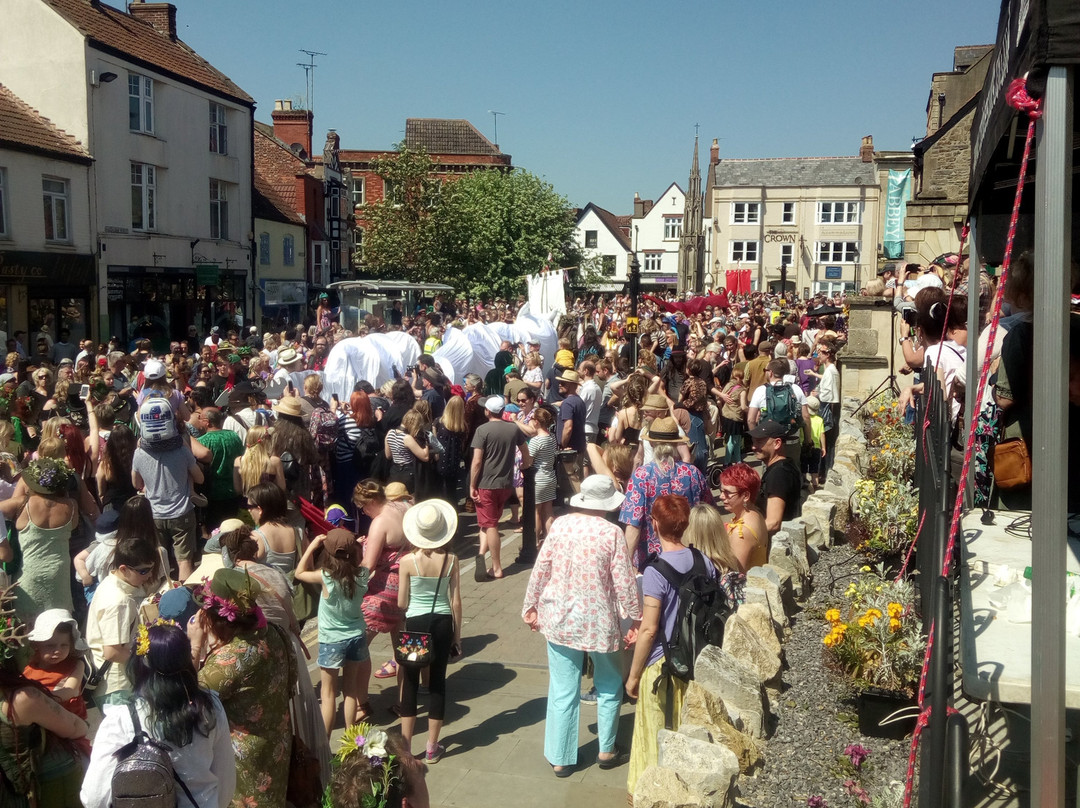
1050	472
634	285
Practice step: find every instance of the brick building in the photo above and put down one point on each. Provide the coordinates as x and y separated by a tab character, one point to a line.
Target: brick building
454	145
938	207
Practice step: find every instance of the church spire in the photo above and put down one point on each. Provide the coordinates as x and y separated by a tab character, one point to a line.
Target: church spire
692	241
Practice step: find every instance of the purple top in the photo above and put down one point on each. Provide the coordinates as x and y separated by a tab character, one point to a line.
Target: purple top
655	585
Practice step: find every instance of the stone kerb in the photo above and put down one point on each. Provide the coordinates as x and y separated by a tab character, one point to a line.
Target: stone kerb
725	717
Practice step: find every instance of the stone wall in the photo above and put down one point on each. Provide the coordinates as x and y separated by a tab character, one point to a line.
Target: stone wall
727	712
865	360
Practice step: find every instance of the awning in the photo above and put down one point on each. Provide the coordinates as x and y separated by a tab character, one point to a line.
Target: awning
1032	34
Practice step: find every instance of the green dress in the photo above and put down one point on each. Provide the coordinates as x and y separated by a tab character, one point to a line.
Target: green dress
37	769
254	678
45	581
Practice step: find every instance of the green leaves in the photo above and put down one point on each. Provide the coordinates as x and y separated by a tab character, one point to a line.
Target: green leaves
482	232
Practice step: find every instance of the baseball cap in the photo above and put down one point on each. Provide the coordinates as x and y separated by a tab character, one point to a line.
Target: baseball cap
494	404
154	369
340	543
768	429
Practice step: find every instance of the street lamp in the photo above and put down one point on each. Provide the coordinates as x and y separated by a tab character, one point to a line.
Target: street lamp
634	289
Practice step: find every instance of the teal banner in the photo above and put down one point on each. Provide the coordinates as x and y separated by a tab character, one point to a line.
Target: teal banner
895	210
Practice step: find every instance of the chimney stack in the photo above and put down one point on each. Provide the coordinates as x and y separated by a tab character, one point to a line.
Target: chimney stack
293	127
866	150
714	152
639	207
160	15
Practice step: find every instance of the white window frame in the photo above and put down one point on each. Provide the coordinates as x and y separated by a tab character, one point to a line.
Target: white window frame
827	252
264	248
672	228
219	129
789	250
741	250
219	210
745	212
3	204
358	242
142	93
787	215
654	262
359	191
144	183
288	251
57	209
839	212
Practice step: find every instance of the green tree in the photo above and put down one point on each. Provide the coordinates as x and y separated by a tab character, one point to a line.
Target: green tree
399	235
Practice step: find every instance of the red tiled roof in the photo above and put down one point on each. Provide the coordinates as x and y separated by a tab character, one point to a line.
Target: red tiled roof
447	136
23	127
276	169
112	30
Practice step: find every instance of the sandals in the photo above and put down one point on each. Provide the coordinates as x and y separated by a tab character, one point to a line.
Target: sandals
388	670
617	759
365	713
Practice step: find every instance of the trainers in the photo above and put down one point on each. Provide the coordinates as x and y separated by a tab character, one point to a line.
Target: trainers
435	753
589	697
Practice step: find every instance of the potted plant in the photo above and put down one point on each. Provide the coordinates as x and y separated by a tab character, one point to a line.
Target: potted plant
884	518
874	639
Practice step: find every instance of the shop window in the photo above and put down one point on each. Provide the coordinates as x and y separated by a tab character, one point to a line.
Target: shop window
140	103
55	196
219	130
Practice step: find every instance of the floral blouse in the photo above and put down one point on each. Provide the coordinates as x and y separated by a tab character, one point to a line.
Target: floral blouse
649	482
582	584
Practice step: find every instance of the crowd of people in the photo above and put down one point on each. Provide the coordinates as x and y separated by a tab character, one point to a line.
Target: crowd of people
172	518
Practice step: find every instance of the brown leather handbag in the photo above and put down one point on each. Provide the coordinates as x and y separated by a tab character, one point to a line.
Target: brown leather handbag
1012	464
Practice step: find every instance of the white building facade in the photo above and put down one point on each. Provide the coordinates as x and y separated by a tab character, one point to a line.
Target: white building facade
600	237
170	188
655	231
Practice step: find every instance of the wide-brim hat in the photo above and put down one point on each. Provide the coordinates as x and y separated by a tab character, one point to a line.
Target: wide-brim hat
288	356
598	493
396	491
655	401
289	406
569	377
51	619
664	430
430	524
178	605
47	476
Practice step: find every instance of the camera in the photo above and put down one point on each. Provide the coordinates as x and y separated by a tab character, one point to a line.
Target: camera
908	316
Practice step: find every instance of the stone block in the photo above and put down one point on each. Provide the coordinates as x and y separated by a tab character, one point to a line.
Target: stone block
704	711
756	592
796	529
708	769
758	617
862	342
789	577
758	578
780	558
659	787
736	683
818	513
742	642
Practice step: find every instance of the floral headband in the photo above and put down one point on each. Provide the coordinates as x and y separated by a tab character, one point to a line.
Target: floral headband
240	604
363	739
142	642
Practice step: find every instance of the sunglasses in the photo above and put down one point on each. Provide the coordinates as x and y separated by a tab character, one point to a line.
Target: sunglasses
523	401
144	571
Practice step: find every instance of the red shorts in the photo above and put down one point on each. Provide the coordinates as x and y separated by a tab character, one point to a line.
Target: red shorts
489	506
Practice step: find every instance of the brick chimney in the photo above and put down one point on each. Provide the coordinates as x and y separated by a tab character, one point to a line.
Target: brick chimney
639	207
866	150
293	127
160	15
714	152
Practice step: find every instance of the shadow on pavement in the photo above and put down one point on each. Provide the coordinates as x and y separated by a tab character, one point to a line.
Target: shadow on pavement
477	679
471	646
501	724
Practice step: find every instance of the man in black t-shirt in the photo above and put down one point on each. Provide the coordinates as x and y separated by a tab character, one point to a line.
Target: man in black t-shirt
780	498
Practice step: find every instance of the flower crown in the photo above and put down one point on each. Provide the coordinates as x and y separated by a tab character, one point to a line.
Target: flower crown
142	643
12	630
241	604
48	473
363	739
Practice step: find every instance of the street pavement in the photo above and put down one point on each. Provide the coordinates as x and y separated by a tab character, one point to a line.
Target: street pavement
496	700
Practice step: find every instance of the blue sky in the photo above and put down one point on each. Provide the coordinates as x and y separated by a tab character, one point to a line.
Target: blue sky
600	98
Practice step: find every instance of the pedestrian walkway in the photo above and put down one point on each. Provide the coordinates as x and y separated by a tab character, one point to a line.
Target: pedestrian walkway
496	700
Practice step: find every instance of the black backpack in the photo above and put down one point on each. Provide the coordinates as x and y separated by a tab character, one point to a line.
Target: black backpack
703	609
782	406
144	777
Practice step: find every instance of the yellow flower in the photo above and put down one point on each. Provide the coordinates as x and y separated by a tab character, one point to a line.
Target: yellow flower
895	610
894	624
833	615
864	568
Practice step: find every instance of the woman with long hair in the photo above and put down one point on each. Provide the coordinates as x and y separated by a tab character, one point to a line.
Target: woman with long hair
629	418
293	444
250	665
746	530
174	710
257	464
280	543
543	450
114	472
706	532
376	768
357	447
405	447
451	431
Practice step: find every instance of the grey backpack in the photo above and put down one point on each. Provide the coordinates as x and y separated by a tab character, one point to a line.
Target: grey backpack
144	776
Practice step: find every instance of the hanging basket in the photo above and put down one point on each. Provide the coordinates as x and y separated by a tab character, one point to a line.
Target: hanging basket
876	706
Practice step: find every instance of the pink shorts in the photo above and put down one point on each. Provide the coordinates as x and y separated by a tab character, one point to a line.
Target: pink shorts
489	506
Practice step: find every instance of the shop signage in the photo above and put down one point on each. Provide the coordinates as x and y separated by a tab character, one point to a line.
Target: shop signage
834	273
207	274
284	293
781	238
664	279
55	269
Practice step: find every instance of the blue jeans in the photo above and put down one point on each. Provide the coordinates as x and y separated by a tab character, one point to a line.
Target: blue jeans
733	449
563	705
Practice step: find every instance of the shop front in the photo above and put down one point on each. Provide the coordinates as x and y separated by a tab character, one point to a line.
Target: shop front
45	292
161	303
284	303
